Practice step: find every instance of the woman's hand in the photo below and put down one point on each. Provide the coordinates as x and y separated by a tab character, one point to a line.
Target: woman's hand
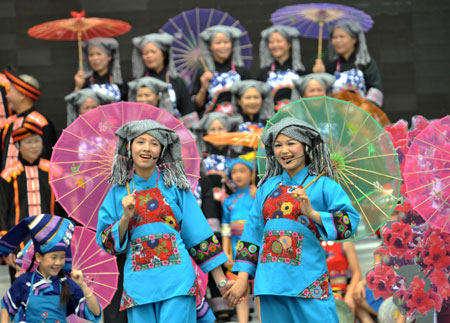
318	67
80	79
205	79
229	264
359	293
348	299
252	191
305	204
235	294
77	277
129	206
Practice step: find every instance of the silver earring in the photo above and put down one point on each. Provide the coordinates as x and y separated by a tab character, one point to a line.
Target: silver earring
129	149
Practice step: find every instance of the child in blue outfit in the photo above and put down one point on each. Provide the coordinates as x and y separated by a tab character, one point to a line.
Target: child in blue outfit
280	245
235	211
46	294
152	216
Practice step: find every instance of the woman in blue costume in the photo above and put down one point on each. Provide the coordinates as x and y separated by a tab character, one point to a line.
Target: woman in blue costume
350	61
47	294
101	68
152	216
221	52
280	245
280	61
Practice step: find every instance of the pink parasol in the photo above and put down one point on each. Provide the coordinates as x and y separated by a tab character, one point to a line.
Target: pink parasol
427	174
99	268
84	153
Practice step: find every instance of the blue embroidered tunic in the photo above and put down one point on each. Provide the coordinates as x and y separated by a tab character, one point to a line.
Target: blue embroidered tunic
158	265
235	211
280	247
17	296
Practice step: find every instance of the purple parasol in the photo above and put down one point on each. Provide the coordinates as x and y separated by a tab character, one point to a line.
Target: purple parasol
187	26
82	158
310	19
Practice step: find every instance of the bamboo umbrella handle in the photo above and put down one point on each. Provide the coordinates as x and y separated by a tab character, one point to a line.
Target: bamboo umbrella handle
202	61
319	49
315	179
80	54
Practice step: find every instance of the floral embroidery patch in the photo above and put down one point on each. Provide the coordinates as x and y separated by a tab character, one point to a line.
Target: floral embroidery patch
108	241
342	224
319	289
206	250
127	301
247	252
152	207
282	246
195	289
154	250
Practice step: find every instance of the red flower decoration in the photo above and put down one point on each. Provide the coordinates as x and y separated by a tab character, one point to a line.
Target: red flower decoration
440	280
381	279
420	300
436	255
397	238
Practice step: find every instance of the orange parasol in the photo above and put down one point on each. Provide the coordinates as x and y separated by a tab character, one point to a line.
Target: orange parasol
79	28
245	138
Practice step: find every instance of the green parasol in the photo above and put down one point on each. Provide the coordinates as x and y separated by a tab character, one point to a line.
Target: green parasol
364	159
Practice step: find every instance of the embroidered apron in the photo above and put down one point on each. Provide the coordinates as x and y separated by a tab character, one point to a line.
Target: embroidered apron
278	81
352	80
219	84
285	246
44	308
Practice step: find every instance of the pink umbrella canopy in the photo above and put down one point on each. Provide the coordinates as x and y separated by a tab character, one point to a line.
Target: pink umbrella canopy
99	268
82	158
427	174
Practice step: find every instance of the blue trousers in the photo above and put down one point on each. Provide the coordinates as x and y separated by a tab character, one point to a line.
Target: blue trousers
176	309
297	310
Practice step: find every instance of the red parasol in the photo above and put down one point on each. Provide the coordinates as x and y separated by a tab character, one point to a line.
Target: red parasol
79	28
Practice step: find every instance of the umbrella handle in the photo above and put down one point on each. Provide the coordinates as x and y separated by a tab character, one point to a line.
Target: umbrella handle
205	67
80	54
319	49
315	179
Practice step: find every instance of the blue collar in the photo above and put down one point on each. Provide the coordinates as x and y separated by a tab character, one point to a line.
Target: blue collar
296	179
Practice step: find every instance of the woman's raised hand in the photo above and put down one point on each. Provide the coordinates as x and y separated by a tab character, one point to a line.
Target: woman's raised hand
318	67
80	79
205	79
129	205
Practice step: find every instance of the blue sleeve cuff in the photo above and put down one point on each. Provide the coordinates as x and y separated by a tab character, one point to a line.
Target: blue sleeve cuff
245	266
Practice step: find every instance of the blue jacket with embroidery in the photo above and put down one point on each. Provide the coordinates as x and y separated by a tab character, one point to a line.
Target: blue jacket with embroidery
306	272
159	279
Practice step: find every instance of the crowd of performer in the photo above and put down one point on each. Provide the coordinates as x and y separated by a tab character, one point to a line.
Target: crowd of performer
271	238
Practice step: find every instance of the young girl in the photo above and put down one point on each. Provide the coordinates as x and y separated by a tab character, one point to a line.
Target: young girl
46	294
152	216
235	210
221	51
152	91
280	245
312	85
101	70
280	61
84	101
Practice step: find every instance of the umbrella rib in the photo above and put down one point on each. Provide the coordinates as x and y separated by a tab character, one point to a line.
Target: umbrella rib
83	230
106	118
444	202
367	197
310	115
98	263
192	158
329	126
90	193
193	175
359	129
77	161
95	130
431	195
188	141
102	273
188	25
428	157
369	157
79	152
211	13
432	145
104	299
370	183
343	125
72	175
428	184
102	284
366	144
427	171
73	190
87	141
373	172
95	210
90	256
440	132
356	201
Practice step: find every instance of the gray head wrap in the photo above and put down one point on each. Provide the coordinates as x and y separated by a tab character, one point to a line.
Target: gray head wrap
207	36
111	47
159	87
230	122
354	29
238	89
163	41
301	83
316	149
169	162
292	35
76	99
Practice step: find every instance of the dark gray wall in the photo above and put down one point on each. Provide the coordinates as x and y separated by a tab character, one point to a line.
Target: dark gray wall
410	41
